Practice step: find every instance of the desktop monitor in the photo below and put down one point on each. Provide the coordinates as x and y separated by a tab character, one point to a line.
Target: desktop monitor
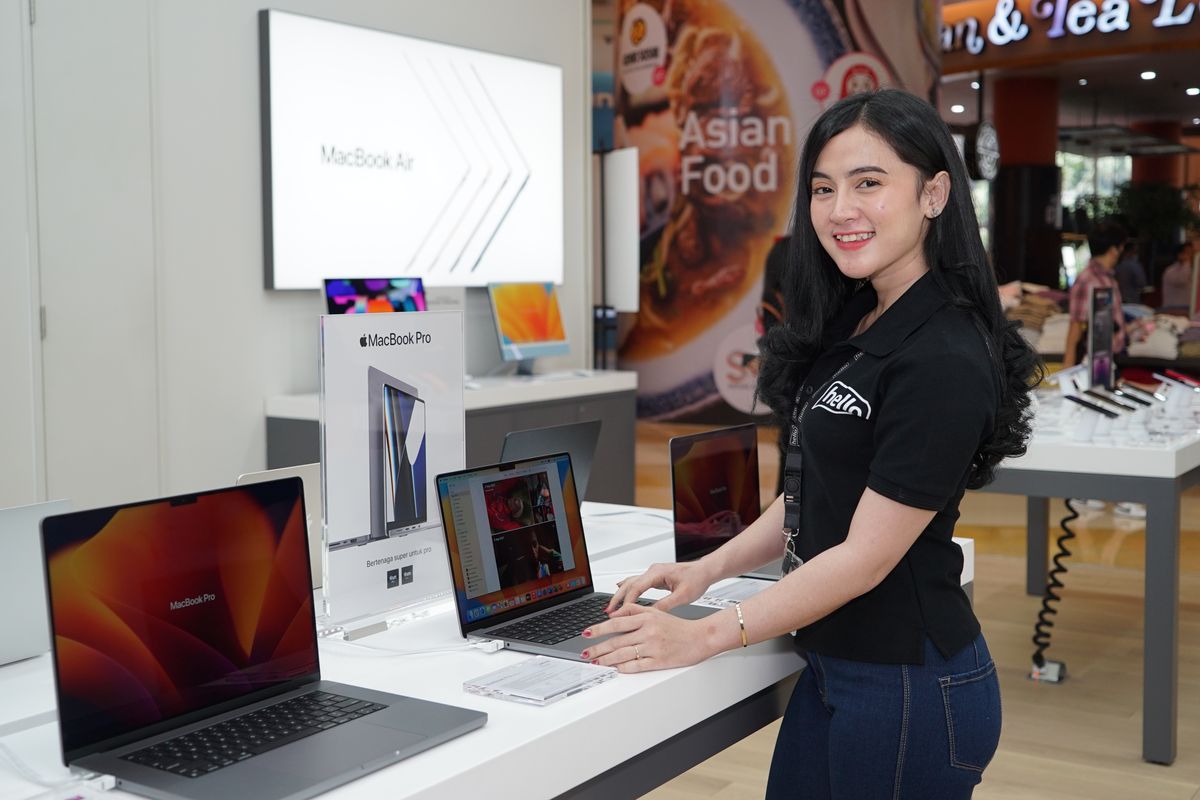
368	295
528	321
1100	337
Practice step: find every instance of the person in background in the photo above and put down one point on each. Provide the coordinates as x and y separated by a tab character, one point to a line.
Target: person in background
1131	275
1177	279
1105	242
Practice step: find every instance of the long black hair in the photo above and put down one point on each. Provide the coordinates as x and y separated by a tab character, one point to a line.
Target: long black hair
815	290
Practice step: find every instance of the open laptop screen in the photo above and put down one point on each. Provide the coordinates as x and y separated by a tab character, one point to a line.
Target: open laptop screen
369	295
168	607
714	487
514	535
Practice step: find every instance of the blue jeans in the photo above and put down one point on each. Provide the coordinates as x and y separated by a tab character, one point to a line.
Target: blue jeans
859	731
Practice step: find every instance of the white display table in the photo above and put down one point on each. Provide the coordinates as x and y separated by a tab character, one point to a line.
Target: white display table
618	739
1152	475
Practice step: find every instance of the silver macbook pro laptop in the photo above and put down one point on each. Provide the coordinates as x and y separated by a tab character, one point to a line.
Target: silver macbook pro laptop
518	556
185	654
22	582
311	475
715	491
576	438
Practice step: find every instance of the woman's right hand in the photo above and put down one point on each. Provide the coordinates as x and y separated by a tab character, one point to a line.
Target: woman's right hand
685	582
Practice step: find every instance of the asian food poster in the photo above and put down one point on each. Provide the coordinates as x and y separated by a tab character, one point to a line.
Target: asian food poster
717	96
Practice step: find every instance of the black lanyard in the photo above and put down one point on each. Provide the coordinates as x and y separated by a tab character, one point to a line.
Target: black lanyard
793	467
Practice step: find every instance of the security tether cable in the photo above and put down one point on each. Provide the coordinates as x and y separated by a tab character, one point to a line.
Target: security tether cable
1043	668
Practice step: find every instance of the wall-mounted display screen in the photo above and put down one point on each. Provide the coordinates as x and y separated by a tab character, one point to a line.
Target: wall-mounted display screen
386	154
369	295
528	321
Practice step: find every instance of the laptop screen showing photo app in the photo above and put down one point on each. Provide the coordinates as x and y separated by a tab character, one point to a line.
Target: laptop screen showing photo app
168	607
515	536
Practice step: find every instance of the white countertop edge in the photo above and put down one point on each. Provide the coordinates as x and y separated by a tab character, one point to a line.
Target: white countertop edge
483	393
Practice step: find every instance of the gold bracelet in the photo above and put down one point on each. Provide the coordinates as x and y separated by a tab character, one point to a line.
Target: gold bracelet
741	623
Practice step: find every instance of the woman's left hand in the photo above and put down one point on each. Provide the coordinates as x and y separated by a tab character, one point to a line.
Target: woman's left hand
644	639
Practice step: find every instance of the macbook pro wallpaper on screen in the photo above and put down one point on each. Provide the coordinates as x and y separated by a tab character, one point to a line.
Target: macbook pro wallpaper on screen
168	607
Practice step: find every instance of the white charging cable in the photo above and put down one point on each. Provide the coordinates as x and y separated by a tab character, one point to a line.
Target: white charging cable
485	645
370	650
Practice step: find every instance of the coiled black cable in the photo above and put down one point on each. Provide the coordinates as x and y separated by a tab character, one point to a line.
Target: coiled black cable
1041	636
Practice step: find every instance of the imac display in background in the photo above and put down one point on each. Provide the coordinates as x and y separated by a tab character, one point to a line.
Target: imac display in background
528	322
369	295
388	154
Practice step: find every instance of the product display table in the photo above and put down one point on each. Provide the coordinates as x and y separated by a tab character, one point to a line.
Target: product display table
1154	476
494	407
619	739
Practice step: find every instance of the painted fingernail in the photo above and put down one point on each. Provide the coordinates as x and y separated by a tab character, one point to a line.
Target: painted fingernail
583	655
595	661
587	632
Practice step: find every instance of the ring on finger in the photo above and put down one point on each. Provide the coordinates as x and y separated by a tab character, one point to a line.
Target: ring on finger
637	654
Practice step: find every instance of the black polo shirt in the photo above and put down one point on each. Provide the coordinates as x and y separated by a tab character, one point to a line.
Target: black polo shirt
904	418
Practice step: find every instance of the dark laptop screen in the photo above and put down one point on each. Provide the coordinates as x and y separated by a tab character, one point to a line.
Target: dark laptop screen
514	535
714	483
164	608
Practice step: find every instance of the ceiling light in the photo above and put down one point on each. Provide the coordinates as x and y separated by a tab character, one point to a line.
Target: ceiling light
957	108
975	85
1149	75
1193	91
1196	121
1083	81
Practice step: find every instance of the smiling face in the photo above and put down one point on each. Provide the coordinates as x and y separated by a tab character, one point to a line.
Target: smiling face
871	210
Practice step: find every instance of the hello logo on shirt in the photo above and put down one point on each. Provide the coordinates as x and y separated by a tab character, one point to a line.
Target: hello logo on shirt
842	399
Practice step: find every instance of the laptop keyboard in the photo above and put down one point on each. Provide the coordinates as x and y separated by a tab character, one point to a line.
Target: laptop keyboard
226	743
559	624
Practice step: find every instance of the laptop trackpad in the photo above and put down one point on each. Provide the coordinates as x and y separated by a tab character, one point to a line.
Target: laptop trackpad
359	743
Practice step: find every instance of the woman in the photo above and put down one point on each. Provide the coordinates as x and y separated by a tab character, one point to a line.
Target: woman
907	386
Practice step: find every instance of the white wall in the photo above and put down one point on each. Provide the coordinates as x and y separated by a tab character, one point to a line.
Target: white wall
96	238
21	473
176	178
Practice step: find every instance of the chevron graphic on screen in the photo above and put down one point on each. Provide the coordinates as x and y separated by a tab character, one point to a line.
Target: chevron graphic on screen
390	155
